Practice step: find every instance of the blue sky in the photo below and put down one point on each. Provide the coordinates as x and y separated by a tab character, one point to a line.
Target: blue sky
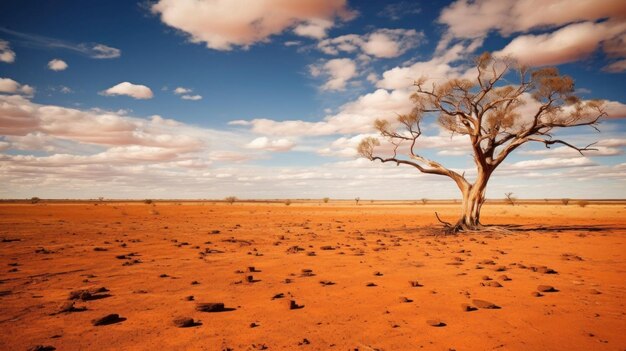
273	96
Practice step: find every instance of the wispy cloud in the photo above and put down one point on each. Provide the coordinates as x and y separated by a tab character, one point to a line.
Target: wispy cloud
93	50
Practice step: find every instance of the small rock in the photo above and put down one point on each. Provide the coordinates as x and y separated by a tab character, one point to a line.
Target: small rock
484	304
494	284
184	322
467	307
210	307
546	288
108	319
294	306
435	323
42	348
536	294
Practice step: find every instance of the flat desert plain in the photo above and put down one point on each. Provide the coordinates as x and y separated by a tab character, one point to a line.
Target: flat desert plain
310	276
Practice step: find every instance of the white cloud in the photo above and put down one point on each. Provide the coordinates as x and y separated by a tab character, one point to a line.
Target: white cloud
338	72
57	65
471	19
264	143
315	28
570	43
567	152
382	43
136	91
225	24
8	85
354	117
6	54
101	51
191	97
616	67
550	163
93	50
185	94
181	90
439	68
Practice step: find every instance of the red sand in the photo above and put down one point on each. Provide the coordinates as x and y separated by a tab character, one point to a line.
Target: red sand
586	313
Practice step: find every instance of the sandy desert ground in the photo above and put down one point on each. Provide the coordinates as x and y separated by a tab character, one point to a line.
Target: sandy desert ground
310	276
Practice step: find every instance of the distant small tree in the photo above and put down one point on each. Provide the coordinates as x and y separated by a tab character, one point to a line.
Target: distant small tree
287	202
583	203
424	201
326	200
101	198
510	199
230	199
34	200
357	199
488	111
565	201
147	201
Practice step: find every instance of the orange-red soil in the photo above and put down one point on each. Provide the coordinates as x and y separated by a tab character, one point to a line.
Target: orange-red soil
54	253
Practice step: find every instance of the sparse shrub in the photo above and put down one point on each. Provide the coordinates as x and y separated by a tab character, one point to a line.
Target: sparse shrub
147	201
287	202
357	199
583	203
230	199
510	199
101	198
34	200
326	200
424	201
565	201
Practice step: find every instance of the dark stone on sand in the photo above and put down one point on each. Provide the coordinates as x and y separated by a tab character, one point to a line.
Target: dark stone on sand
484	304
210	307
486	277
108	319
184	322
546	288
467	307
536	294
68	306
294	306
42	348
504	278
595	292
327	247
494	284
415	284
278	296
371	284
435	323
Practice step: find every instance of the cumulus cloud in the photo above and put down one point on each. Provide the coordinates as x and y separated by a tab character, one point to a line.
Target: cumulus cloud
354	117
568	44
223	25
57	65
337	71
6	54
315	28
264	143
441	67
382	43
9	86
136	91
186	94
471	19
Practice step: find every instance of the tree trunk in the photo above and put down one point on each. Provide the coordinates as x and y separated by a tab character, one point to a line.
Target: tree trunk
473	199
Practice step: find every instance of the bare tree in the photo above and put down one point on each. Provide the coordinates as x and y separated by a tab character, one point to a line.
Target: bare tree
356	200
487	111
230	199
510	199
